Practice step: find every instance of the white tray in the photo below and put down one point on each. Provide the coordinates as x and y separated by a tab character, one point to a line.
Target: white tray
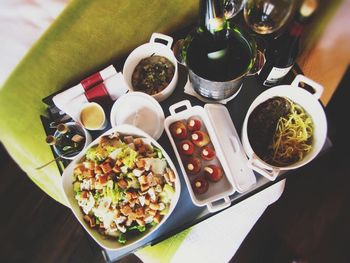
241	174
219	190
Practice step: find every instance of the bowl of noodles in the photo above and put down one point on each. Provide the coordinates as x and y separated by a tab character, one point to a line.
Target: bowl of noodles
284	128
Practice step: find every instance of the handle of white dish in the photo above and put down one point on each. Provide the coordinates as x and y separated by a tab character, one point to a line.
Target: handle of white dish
255	164
316	87
235	144
183	103
163	37
214	208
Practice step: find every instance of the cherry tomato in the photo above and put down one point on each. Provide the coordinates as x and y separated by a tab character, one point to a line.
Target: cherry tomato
178	130
200	185
213	173
186	147
207	153
200	138
194	124
193	165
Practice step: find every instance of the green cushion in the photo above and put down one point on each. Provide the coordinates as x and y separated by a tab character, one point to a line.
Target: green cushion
87	36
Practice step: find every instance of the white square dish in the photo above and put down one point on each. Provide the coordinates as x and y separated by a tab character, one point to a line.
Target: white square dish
68	179
217	196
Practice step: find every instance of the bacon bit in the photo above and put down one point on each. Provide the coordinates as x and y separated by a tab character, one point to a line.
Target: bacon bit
126	210
90	174
157	180
147	199
103	179
157	218
128	139
104	141
79	170
140	164
142	149
98	170
106	167
90	220
116	169
109	160
138	142
140	212
134	195
84	194
117	213
122	183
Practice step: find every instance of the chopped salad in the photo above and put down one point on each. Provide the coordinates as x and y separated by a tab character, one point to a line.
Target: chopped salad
123	186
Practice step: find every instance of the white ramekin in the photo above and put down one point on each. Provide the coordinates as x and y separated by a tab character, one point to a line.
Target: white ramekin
312	106
147	50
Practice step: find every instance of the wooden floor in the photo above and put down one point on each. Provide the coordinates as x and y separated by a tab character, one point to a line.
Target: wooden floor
35	228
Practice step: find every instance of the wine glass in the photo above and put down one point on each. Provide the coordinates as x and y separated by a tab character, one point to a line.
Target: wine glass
233	7
267	16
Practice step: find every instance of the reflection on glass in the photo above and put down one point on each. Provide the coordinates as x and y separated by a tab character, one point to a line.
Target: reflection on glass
267	16
233	7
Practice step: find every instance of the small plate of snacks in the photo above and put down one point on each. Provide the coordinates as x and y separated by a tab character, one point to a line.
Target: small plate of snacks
206	172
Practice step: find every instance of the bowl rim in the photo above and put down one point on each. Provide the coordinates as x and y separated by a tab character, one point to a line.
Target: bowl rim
87	140
280	92
152	101
127	67
67	174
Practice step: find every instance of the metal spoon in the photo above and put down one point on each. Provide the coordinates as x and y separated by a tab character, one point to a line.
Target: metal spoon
46	164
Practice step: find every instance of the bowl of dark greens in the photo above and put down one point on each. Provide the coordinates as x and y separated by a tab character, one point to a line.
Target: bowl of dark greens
152	68
284	128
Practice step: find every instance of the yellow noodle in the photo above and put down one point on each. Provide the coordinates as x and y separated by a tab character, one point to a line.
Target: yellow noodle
293	137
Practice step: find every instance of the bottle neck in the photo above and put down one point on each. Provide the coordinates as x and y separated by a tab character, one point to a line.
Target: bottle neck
296	29
212	18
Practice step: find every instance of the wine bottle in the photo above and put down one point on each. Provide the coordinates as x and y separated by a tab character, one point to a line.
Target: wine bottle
216	51
281	56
